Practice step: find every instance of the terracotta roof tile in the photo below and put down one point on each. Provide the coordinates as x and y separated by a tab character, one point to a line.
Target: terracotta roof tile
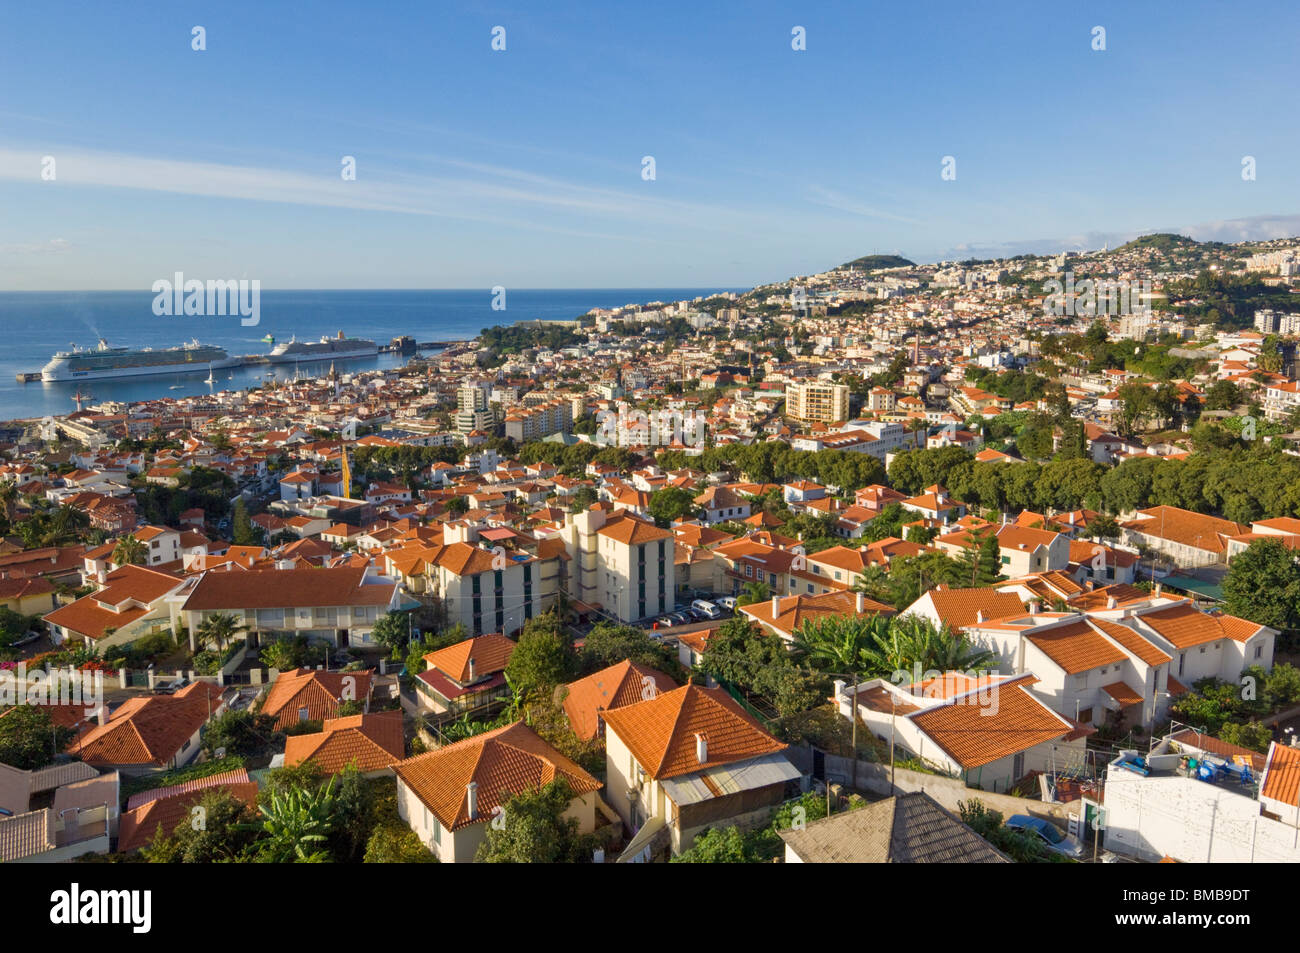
1282	774
623	683
503	762
491	653
661	732
957	608
974	738
287	588
370	742
1133	642
319	692
138	827
1076	647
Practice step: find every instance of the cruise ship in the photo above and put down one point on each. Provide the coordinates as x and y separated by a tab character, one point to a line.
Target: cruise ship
111	362
328	349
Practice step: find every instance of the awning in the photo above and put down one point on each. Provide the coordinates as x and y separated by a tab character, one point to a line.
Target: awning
1199	587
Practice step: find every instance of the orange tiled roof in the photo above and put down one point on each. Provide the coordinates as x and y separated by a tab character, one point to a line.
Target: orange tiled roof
661	732
138	827
624	683
369	742
503	762
632	530
1282	774
973	738
957	608
1185	626
287	588
1076	647
1122	693
149	730
1132	641
794	611
1185	527
319	692
490	652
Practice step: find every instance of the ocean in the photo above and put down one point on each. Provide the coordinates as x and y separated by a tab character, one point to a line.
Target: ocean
36	324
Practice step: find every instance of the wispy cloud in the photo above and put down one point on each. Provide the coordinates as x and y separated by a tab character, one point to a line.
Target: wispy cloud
819	195
483	193
53	246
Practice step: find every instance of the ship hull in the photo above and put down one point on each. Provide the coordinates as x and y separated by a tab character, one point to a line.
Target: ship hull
316	354
61	371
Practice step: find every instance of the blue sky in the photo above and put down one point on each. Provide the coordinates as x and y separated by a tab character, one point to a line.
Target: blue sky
523	168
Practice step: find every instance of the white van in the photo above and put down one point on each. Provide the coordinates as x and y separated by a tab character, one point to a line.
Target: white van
708	608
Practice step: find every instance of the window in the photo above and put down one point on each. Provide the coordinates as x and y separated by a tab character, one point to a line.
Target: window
1006	560
1259	651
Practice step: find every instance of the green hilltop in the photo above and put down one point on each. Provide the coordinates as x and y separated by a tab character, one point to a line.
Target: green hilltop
877	262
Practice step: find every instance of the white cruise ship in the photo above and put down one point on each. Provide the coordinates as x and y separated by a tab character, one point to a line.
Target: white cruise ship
327	349
110	362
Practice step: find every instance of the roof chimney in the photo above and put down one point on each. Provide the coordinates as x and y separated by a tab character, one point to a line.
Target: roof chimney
861	603
1111	602
471	800
979	615
1158	588
1033	607
471	669
776	606
701	748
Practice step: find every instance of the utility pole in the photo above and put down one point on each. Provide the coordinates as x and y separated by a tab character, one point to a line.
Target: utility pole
893	721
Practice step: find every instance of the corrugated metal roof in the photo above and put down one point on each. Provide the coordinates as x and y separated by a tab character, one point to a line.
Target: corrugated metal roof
730	779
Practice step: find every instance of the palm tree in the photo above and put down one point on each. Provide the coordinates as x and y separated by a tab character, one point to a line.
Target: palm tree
297	820
218	629
129	551
8	495
754	592
912	642
838	642
64	525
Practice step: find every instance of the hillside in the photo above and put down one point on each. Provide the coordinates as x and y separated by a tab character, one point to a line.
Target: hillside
1160	241
876	262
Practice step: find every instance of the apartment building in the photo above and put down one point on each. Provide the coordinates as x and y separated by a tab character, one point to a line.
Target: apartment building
619	562
528	423
817	400
338	606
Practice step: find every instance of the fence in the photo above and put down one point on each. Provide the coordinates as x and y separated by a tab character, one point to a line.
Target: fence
949	792
150	678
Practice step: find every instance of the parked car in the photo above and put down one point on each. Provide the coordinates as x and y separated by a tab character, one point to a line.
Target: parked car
169	688
27	639
1048	833
726	602
707	609
665	622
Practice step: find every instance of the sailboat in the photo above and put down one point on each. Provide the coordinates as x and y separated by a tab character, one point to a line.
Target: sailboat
210	379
